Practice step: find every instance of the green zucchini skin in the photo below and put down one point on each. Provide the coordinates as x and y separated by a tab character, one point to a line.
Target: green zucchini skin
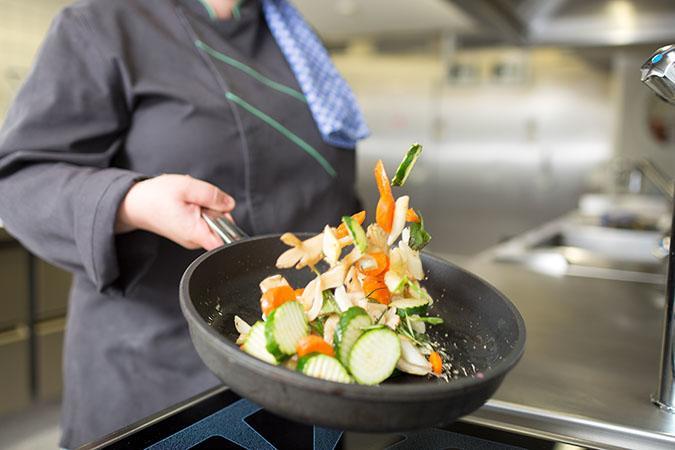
404	169
287	318
348	331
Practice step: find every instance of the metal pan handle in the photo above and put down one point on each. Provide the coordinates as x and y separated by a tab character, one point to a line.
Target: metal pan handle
223	227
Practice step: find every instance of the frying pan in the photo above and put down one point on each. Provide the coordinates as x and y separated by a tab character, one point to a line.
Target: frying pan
483	333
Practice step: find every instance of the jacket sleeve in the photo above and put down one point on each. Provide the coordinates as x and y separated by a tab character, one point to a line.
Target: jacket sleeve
59	193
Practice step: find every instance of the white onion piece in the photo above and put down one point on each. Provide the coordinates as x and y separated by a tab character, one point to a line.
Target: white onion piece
418	326
392	280
405	235
406	367
400	210
329	328
412	260
331	246
242	327
412	355
342	299
272	281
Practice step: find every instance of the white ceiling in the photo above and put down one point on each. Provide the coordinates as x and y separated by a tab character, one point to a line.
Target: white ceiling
339	19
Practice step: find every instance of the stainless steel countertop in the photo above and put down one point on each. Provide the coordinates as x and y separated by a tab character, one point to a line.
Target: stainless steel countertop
590	363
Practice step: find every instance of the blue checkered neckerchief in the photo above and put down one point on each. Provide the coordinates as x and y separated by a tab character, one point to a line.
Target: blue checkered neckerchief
330	99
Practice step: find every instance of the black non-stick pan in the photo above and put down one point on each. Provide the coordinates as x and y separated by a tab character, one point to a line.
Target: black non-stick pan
483	333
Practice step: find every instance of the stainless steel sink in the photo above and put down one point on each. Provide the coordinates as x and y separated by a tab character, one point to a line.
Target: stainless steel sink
581	245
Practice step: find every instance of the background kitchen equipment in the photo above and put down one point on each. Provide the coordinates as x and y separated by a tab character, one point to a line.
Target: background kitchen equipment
658	72
482	332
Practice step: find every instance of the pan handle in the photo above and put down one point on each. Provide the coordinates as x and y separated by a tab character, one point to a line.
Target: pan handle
224	227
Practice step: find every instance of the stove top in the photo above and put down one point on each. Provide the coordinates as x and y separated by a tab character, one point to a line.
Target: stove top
220	419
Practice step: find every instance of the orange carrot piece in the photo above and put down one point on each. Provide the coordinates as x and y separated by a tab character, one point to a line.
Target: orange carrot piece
341	230
436	363
376	289
382	180
411	216
313	344
276	297
380	261
384	215
299	292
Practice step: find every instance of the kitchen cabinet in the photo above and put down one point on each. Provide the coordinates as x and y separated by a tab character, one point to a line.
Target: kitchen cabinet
14	282
49	354
15	389
33	305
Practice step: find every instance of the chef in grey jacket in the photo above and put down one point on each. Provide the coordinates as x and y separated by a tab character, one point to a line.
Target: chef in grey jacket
123	92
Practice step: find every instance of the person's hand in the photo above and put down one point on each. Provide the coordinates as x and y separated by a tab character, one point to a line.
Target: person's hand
170	205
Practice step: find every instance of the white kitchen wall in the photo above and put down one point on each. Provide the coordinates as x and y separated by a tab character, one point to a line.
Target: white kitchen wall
23	24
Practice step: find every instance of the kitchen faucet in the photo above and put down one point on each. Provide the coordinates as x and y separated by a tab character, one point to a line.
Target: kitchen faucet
658	72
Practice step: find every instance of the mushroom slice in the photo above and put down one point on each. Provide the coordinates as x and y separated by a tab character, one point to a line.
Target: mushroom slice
331	246
289	258
352	282
303	253
376	311
272	281
291	240
333	277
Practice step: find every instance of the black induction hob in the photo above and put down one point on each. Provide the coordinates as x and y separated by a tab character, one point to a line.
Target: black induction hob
220	419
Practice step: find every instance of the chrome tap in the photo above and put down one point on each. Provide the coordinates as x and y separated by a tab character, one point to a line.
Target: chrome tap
658	72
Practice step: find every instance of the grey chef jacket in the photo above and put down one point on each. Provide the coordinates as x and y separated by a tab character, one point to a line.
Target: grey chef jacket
119	91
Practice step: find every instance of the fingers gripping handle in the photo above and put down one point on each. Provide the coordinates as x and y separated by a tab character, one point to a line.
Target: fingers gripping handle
224	227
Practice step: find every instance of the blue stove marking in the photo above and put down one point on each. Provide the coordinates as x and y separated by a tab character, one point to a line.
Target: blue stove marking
230	423
326	439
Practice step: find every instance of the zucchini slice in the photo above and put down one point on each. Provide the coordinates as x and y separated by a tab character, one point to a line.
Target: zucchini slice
256	345
325	367
284	328
406	165
356	232
348	331
374	356
410	306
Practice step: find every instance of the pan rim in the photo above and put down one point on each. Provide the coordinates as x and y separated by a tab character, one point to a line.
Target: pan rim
382	393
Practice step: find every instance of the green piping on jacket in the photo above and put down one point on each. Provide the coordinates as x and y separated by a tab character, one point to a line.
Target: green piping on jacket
288	134
250	71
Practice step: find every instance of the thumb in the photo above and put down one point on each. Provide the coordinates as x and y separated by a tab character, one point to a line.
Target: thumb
207	195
